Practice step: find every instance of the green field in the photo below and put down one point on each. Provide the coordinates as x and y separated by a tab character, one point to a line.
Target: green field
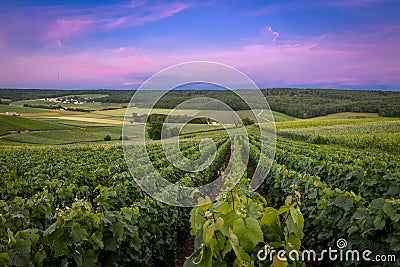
86	96
89	127
81	197
120	113
82	126
68	197
56	137
88	105
15	123
370	133
5	101
47	127
77	123
21	110
347	115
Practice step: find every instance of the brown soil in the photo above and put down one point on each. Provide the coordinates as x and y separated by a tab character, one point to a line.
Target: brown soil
227	158
187	247
185	251
262	191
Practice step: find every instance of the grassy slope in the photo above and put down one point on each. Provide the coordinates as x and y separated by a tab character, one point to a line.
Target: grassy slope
88	105
381	134
120	113
76	122
20	110
307	123
347	115
78	131
278	117
14	123
35	112
63	136
86	96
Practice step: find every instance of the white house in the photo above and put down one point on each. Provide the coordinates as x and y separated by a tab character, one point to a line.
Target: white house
12	113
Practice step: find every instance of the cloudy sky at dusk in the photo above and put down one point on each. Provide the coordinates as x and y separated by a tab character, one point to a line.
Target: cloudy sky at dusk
277	43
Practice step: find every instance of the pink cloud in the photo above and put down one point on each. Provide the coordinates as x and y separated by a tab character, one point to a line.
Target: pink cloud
59	43
103	68
116	23
124	49
268	30
327	59
105	18
134	4
98	71
67	28
157	12
55	24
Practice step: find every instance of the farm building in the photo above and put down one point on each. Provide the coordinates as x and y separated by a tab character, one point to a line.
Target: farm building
12	113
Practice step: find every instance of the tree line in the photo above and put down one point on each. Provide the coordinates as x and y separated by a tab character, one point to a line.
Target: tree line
300	103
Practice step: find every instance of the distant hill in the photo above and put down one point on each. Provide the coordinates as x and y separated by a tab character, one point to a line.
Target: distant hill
299	103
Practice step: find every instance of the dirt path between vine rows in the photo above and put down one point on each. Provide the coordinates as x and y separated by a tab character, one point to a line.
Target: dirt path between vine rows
187	247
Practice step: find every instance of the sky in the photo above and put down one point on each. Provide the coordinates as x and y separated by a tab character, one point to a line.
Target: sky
349	44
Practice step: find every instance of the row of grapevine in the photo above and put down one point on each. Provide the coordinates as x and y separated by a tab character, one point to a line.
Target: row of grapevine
234	229
367	176
331	213
381	135
80	206
338	154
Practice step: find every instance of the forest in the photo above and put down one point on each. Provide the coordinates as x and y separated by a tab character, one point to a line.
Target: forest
300	103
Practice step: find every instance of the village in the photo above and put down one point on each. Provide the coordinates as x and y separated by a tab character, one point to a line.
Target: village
71	100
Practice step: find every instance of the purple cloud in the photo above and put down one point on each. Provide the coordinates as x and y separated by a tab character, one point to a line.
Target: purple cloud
342	58
36	43
68	28
57	23
155	13
269	30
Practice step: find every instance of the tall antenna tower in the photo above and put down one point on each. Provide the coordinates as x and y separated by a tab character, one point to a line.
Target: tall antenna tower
58	80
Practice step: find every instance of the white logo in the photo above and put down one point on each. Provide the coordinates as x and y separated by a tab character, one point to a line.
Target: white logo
341	243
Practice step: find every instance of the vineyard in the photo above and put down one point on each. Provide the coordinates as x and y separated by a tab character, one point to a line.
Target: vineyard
79	205
173	133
